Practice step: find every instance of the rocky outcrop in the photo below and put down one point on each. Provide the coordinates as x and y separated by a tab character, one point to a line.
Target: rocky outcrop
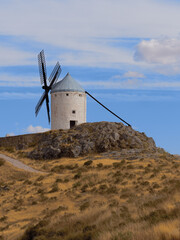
90	138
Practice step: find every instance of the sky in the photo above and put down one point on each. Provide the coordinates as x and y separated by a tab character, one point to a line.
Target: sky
125	53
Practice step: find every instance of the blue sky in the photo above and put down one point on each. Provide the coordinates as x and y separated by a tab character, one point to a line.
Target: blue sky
125	53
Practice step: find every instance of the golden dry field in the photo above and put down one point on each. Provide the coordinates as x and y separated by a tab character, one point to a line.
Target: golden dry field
97	197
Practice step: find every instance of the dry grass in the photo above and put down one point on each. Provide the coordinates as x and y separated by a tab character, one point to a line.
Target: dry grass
92	198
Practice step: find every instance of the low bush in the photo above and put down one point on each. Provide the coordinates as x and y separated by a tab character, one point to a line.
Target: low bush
1	162
54	188
77	175
88	163
84	206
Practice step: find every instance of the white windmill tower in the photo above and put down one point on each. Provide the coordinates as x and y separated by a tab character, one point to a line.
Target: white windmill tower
68	98
68	104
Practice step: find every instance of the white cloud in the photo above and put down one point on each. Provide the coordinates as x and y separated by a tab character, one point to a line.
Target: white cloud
131	84
58	21
36	129
83	31
134	97
18	95
14	57
133	75
10	134
99	56
161	51
18	81
85	26
123	84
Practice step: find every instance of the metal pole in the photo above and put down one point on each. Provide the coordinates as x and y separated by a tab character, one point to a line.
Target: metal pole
107	108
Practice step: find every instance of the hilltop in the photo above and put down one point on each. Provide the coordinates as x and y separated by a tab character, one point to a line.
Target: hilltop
121	188
87	138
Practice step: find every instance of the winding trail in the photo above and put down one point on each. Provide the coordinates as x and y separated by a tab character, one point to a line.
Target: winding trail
18	164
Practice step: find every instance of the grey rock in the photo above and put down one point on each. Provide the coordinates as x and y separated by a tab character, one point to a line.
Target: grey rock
92	138
115	136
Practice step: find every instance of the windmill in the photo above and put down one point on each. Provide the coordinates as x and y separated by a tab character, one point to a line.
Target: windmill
68	98
43	78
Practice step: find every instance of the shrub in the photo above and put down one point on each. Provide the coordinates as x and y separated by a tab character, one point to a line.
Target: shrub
88	163
2	219
1	162
59	180
84	187
123	236
66	180
40	178
28	182
76	184
54	188
58	169
103	188
99	165
77	176
71	167
84	206
156	216
117	164
9	149
112	190
130	166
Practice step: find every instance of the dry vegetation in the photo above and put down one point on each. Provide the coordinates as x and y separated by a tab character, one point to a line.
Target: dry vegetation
102	197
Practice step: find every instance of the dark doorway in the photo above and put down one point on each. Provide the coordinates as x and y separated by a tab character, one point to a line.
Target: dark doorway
72	124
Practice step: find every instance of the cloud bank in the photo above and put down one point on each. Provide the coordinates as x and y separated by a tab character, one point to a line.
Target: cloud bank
83	32
18	95
44	19
36	129
161	51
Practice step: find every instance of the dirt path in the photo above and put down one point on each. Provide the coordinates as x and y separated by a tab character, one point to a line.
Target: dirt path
19	164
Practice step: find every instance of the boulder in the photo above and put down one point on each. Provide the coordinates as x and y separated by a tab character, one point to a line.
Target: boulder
91	138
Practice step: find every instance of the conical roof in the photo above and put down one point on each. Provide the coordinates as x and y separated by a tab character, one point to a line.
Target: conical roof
67	84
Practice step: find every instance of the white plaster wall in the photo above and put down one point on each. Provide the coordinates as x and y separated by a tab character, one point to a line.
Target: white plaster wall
62	107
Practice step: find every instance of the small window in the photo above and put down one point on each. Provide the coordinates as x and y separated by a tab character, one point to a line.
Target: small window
67	94
73	111
80	95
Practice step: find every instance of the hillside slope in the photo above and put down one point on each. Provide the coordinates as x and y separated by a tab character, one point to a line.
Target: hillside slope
118	193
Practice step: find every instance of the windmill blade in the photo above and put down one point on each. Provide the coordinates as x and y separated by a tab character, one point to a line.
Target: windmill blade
42	68
38	106
47	106
55	74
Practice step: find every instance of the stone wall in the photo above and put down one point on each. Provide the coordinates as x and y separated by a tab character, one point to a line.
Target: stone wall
21	141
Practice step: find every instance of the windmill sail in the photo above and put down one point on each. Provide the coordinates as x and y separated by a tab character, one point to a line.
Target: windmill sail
42	68
55	74
43	78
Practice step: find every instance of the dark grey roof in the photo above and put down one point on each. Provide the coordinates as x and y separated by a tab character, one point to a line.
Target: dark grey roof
67	84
